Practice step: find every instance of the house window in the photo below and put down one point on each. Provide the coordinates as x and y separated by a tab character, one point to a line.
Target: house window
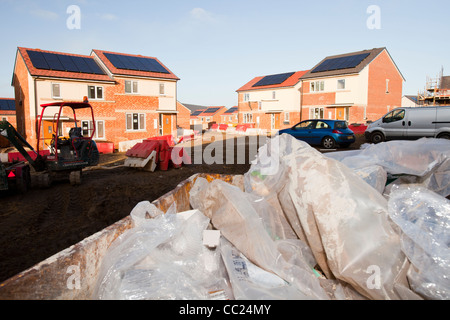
248	117
161	89
87	127
246	96
56	91
387	85
207	119
341	84
259	105
95	92
317	86
286	117
316	113
135	121
131	86
274	95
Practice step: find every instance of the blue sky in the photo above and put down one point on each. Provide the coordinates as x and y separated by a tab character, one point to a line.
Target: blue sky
215	47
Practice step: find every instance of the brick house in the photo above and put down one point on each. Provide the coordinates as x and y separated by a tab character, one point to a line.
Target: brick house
271	102
211	115
130	102
8	113
357	87
230	117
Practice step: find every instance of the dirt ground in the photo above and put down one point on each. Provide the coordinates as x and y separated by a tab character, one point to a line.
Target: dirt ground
42	222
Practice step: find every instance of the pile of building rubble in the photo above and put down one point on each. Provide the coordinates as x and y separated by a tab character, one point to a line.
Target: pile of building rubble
367	224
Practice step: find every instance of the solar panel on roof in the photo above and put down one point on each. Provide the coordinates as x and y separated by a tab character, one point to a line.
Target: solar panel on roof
135	63
37	59
62	62
341	63
196	113
231	110
68	63
7	104
273	79
211	110
53	61
95	69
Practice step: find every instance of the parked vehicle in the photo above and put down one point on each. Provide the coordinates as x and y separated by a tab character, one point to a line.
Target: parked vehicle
410	123
323	132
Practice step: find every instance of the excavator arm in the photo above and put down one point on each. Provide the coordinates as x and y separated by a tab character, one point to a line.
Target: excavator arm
10	133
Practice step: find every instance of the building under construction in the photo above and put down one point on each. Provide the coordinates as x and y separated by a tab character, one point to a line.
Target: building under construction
437	91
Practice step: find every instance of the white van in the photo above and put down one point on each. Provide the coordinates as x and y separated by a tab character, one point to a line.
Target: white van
411	123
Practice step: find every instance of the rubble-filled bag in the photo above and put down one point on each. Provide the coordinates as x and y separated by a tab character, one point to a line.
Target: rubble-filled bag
374	175
424	219
250	282
418	157
234	213
344	219
161	258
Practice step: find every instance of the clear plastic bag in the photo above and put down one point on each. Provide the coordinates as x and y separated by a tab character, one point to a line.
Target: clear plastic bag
343	218
424	219
161	258
242	220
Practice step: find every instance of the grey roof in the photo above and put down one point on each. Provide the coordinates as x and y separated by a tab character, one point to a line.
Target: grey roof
194	107
372	54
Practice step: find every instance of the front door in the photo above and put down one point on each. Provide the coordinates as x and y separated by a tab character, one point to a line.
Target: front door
340	113
47	129
166	124
275	121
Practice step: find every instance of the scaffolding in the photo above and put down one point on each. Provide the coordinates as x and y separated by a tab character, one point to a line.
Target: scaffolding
436	92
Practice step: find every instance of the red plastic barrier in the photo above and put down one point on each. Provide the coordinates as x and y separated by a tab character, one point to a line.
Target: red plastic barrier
105	147
168	139
223	127
143	149
16	156
358	129
214	126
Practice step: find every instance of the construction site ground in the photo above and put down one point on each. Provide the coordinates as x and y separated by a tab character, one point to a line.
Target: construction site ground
42	222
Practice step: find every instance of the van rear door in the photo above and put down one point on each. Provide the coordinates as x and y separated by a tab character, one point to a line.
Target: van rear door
420	122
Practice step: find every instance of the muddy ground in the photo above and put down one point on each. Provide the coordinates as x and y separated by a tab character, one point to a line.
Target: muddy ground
42	222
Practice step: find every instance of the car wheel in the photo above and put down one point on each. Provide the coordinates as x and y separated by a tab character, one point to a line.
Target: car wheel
377	137
444	135
328	143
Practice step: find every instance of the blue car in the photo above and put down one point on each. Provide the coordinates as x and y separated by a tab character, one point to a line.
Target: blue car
325	133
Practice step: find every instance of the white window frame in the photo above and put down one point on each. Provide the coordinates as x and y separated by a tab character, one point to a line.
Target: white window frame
286	117
246	97
141	124
248	117
97	125
274	95
162	89
96	93
53	90
132	88
341	81
317	86
320	110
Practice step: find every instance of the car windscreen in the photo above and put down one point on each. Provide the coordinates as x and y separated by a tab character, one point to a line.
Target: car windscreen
340	125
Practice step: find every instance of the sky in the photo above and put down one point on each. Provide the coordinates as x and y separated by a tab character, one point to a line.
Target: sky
215	47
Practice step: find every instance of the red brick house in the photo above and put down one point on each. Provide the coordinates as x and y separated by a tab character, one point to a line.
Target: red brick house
358	87
230	117
271	102
133	96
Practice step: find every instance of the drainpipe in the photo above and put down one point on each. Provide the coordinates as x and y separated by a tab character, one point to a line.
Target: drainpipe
301	99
